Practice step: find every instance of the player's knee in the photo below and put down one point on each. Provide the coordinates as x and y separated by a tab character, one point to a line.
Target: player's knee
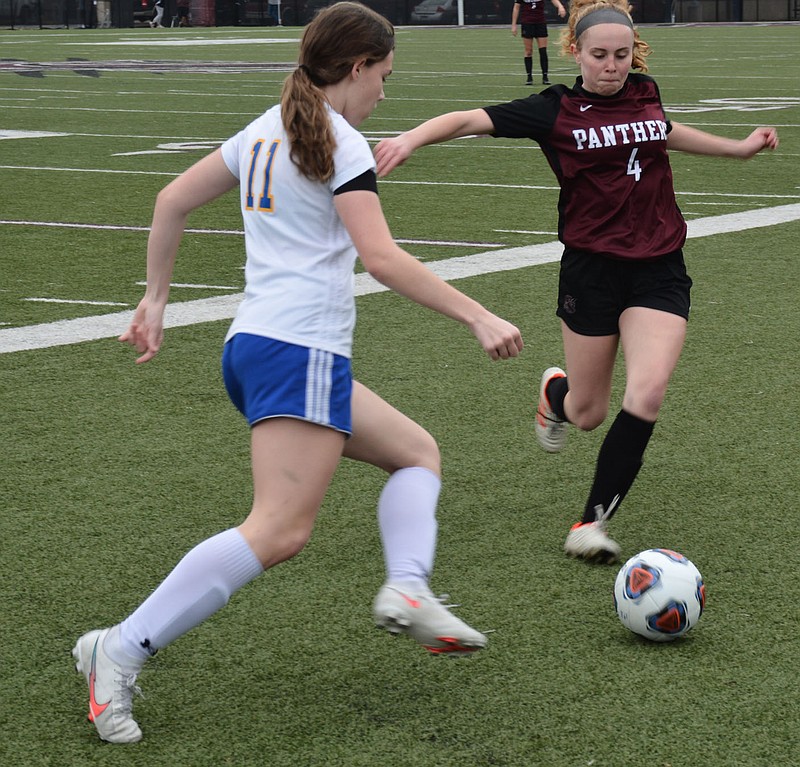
294	543
275	543
429	455
644	402
283	548
422	450
589	416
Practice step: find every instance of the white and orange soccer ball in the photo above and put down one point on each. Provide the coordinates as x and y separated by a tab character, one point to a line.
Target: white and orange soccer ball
659	594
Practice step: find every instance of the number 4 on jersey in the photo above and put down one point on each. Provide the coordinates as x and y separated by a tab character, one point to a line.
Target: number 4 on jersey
634	169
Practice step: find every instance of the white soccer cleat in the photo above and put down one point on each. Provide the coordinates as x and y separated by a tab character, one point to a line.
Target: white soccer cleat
589	540
550	430
111	689
412	609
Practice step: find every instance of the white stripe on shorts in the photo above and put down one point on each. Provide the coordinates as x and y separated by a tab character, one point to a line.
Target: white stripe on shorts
318	386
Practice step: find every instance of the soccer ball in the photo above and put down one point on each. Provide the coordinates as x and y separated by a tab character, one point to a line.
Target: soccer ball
659	594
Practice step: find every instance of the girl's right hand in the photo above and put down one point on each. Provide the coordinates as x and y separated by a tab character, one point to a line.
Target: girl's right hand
146	331
499	338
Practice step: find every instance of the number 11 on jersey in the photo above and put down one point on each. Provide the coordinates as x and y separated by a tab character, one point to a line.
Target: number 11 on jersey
265	201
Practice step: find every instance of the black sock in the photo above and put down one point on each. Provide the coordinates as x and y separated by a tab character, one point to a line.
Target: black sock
543	60
618	463
556	391
529	66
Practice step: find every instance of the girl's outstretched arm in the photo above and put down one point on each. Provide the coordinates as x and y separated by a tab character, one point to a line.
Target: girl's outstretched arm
392	152
686	139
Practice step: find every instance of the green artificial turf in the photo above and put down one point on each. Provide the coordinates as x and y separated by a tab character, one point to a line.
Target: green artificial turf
112	471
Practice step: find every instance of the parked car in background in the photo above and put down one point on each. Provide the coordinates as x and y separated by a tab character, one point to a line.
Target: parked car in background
486	12
435	12
143	12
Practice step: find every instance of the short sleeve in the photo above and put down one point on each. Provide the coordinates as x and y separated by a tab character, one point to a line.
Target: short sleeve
352	155
230	153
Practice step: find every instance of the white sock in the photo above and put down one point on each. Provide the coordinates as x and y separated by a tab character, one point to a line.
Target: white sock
407	520
201	583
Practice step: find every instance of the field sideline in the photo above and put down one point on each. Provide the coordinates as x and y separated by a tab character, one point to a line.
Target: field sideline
66	332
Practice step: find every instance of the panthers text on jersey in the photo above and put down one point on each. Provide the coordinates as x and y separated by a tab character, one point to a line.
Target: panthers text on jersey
609	154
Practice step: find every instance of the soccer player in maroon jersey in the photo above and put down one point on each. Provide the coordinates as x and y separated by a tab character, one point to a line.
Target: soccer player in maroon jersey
623	278
530	14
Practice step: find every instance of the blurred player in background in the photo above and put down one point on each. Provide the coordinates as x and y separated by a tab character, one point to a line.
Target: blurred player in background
158	14
623	280
530	15
308	193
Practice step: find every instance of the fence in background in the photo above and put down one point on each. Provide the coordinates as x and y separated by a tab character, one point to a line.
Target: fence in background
131	13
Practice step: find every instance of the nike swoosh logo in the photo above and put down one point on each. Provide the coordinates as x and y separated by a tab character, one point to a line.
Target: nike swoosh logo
95	709
586	106
411	602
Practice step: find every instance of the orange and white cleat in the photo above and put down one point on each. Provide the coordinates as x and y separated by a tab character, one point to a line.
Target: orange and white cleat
412	609
590	541
111	689
550	430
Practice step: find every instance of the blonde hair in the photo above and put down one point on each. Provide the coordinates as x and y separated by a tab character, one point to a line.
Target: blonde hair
579	9
337	37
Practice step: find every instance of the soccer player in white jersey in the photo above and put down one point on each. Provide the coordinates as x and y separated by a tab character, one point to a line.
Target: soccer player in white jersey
310	206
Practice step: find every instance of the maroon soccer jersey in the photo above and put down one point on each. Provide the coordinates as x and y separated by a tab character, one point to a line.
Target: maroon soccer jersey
609	154
531	11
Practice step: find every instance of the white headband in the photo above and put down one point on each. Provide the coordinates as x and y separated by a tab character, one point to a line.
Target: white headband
602	16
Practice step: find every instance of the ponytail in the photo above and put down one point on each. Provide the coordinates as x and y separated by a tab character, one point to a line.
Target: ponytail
337	37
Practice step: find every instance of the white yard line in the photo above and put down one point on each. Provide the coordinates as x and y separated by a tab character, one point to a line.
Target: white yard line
65	332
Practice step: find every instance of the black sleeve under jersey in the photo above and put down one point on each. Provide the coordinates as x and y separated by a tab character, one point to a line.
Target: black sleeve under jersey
532	117
366	182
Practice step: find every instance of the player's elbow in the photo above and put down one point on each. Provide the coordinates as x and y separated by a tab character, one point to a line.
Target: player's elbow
172	201
380	265
379	257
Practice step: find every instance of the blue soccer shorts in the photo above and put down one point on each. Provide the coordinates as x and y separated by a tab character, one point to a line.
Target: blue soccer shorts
266	378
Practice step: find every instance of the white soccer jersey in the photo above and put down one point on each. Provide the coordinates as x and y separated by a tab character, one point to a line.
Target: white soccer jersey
300	258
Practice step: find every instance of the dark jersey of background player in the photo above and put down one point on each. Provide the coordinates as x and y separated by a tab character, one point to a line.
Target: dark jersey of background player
531	11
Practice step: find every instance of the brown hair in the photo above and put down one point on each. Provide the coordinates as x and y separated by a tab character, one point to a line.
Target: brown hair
578	9
337	37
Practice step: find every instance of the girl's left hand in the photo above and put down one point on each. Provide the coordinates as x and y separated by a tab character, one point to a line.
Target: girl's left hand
760	138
